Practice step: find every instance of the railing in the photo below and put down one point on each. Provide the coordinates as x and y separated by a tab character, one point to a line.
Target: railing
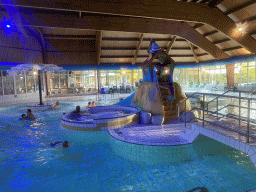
219	115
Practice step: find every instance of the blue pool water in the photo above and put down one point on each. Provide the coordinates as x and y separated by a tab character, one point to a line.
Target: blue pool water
97	162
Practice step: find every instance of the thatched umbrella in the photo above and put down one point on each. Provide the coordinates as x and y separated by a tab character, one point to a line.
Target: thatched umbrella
35	67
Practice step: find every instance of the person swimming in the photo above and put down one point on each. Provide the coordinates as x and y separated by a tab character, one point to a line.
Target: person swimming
23	117
65	144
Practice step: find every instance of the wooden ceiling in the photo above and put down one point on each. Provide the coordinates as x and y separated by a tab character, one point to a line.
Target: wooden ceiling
123	30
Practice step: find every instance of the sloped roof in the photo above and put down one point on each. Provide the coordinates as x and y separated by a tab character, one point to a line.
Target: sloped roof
118	47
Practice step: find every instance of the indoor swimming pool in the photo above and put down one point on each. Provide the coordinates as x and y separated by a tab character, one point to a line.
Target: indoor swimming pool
97	162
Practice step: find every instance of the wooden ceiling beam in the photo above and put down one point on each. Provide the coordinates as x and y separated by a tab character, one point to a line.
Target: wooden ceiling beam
137	39
198	25
146	9
128	24
144	48
171	44
145	56
239	7
232	48
98	45
137	49
250	19
214	3
194	53
210	33
221	41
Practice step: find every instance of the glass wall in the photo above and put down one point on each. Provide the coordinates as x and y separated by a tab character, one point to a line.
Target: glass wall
76	82
245	74
20	82
203	78
8	83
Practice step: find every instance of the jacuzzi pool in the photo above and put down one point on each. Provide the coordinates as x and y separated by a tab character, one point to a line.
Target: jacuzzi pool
101	118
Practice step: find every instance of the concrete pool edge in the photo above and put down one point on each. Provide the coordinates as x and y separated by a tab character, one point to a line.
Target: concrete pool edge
162	139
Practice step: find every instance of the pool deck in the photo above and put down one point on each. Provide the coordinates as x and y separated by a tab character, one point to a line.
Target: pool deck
154	135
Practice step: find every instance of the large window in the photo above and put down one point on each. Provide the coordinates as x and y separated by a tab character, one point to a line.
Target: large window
1	83
198	78
245	73
8	83
20	82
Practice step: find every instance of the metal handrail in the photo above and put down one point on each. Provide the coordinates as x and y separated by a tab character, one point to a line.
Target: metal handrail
177	106
218	96
237	117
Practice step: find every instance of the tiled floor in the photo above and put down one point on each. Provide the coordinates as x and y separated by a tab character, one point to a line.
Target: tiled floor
164	135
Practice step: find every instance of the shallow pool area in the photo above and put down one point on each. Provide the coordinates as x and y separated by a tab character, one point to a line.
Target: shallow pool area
95	161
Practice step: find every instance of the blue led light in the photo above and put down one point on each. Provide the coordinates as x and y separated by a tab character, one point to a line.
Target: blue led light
8	26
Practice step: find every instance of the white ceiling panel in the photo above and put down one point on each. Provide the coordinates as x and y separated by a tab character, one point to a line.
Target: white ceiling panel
151	35
244	13
206	58
238	52
119	43
205	29
117	52
120	34
184	59
115	60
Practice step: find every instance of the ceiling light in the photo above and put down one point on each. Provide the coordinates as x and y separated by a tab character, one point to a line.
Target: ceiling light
241	27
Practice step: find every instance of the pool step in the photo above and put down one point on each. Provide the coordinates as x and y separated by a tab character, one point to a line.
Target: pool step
169	118
168	113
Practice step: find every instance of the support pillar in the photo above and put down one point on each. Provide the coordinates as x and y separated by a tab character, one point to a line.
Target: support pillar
230	70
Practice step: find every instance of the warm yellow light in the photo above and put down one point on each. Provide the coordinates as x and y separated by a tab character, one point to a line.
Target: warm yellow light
240	29
34	73
123	72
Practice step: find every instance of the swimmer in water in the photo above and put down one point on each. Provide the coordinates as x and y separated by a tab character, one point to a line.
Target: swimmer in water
65	144
23	117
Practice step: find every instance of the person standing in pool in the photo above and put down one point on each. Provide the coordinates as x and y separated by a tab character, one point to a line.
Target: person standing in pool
89	105
93	104
77	111
57	105
30	115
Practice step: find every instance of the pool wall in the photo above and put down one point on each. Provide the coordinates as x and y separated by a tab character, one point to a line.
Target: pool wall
231	140
152	155
105	123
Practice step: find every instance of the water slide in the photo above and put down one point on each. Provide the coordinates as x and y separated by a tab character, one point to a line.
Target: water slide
126	101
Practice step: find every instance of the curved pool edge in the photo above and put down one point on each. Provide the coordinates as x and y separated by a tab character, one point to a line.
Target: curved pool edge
149	141
103	124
